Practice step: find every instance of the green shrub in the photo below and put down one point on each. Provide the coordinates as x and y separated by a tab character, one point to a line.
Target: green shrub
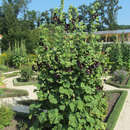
17	56
6	116
119	55
26	72
70	86
18	61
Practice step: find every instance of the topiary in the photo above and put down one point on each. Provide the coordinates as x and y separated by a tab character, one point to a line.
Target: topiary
70	88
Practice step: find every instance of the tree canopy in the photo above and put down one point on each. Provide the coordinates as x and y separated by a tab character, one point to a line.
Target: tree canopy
19	23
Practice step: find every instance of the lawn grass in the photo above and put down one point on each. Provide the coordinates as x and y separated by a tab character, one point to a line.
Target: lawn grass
114	115
17	83
5	92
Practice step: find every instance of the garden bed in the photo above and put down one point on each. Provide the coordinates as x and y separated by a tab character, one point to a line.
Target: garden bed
115	99
19	82
5	92
120	79
117	84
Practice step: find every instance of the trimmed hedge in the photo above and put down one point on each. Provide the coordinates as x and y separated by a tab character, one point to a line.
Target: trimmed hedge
27	102
11	74
110	82
111	122
17	83
12	93
4	68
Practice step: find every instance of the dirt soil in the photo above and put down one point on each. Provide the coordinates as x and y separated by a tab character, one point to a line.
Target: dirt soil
112	99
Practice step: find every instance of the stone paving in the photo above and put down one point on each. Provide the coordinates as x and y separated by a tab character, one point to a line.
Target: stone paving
12	101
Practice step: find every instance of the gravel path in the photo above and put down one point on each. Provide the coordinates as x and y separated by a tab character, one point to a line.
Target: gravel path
123	122
13	100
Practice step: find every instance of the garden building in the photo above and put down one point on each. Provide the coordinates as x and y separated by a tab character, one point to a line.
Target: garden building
115	35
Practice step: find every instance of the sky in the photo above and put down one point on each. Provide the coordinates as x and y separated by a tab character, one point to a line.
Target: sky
123	17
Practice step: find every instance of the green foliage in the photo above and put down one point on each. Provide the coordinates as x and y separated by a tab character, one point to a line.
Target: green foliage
17	56
26	72
11	26
69	90
119	55
6	116
123	26
22	125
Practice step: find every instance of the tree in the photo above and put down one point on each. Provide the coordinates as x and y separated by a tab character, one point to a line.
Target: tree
33	19
10	25
17	24
90	15
107	13
112	9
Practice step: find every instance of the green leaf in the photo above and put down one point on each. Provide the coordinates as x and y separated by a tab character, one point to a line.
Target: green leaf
58	127
52	114
66	85
43	117
72	106
52	99
70	128
63	91
62	107
72	121
50	80
80	105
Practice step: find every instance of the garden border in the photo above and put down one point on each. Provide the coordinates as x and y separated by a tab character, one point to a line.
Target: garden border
16	83
116	85
114	115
